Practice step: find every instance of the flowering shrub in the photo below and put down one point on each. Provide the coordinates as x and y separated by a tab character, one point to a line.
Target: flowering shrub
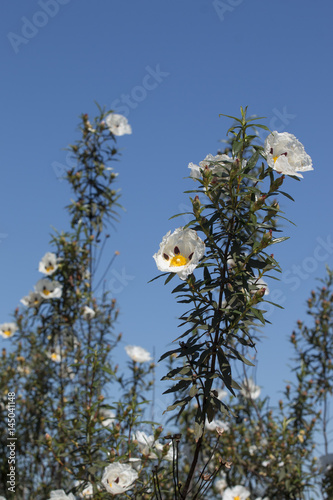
83	430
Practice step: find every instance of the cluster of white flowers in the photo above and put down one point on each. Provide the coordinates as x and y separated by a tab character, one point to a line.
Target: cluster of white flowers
45	288
181	251
138	354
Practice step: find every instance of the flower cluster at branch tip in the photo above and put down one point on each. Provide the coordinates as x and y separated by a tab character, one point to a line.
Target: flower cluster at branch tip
45	288
118	124
138	354
285	154
250	389
180	252
236	493
118	478
49	264
7	330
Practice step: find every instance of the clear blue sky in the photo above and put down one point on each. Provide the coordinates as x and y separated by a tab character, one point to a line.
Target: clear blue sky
171	67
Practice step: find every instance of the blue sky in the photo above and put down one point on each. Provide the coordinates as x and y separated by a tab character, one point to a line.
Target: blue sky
171	67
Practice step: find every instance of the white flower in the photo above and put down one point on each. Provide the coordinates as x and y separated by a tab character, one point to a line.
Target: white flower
252	449
33	299
286	155
48	264
108	416
169	454
137	353
55	354
180	252
23	370
88	313
326	461
87	492
216	164
146	443
118	124
61	495
152	448
221	483
236	493
221	394
2	498
118	478
7	330
250	389
136	463
211	426
49	289
266	463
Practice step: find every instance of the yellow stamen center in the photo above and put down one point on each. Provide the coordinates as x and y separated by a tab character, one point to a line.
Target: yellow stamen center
274	159
46	292
237	497
54	356
178	260
7	333
49	268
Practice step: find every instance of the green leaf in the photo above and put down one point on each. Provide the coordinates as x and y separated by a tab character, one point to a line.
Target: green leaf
258	314
180	402
261	126
178	215
232	117
156	277
169	278
193	391
274	304
179	288
180	386
240	357
198	430
279	240
287	195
